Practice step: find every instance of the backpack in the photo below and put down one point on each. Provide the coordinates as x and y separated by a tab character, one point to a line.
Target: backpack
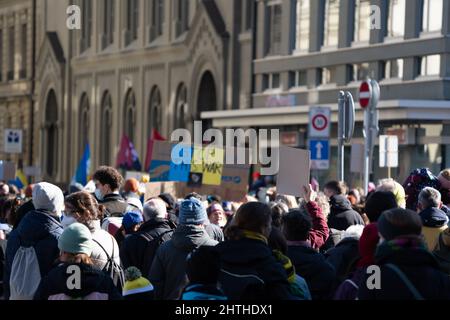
113	269
25	274
150	249
242	285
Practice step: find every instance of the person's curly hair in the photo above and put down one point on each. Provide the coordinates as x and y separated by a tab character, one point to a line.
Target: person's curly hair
110	176
84	207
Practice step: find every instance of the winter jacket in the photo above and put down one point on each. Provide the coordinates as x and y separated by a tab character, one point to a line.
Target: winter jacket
341	214
348	289
41	230
250	271
99	256
168	270
434	223
134	252
115	205
214	231
442	252
319	231
202	292
343	257
94	285
410	255
312	266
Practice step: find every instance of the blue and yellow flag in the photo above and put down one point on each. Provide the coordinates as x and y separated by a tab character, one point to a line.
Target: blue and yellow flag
82	173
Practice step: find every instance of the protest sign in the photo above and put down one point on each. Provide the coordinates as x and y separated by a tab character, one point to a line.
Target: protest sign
294	170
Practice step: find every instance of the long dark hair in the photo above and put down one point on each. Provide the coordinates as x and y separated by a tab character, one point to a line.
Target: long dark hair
252	216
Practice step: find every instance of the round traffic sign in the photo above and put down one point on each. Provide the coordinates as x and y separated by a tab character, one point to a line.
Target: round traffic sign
365	94
319	122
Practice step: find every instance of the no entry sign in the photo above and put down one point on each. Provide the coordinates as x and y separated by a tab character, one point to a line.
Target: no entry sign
365	94
319	122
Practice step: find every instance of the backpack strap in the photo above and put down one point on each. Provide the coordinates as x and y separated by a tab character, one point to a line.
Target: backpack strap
406	281
104	250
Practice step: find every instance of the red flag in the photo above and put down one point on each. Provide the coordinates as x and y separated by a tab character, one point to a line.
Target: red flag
127	158
156	136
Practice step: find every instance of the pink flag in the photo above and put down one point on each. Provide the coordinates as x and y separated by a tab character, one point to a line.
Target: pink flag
156	136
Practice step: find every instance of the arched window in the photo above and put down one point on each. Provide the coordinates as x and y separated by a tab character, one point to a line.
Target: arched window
51	134
155	111
206	98
84	123
129	115
105	129
181	108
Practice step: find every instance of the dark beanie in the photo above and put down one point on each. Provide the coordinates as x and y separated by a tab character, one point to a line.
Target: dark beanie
169	200
377	202
399	222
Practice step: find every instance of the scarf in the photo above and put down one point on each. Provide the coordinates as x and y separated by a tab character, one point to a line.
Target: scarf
254	235
400	244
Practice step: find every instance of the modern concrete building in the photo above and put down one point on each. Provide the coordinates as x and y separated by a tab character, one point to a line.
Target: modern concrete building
309	50
134	65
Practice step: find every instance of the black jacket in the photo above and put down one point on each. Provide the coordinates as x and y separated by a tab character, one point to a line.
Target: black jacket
250	271
93	282
115	205
417	264
317	272
134	252
343	257
168	270
341	214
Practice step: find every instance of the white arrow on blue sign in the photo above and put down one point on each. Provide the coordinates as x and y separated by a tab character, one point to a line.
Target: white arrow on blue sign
320	154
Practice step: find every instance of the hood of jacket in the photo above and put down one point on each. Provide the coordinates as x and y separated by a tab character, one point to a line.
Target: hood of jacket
92	280
156	223
189	237
433	217
36	225
405	250
339	203
245	251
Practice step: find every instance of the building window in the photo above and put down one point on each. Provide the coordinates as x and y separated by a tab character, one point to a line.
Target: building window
274	15
302	25
271	81
182	17
396	18
84	123
331	23
154	113
157	19
23	54
430	65
108	26
181	107
298	78
362	21
130	115
131	33
11	53
393	69
51	134
328	75
432	15
86	31
247	16
360	71
105	129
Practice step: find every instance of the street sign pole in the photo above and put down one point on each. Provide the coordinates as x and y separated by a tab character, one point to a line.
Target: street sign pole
341	125
370	130
346	126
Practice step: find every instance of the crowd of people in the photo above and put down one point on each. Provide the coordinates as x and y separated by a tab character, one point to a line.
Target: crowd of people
104	241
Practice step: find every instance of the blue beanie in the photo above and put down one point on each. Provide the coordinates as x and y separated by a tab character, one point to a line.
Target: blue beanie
130	219
192	211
